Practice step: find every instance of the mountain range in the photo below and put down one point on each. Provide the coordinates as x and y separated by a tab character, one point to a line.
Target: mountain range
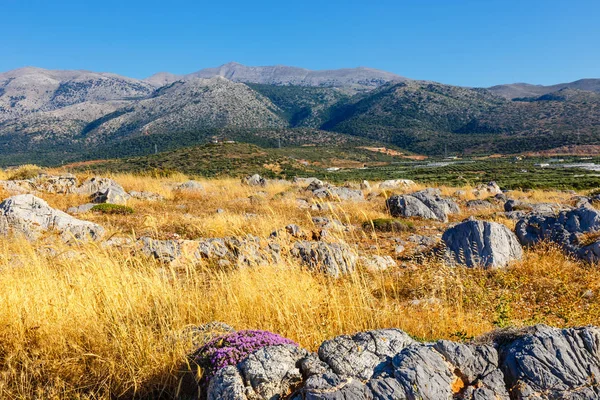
54	116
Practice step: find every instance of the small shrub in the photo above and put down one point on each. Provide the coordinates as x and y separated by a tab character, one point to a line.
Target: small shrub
389	225
107	208
28	171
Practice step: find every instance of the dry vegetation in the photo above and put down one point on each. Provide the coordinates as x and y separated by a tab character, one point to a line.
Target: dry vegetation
87	321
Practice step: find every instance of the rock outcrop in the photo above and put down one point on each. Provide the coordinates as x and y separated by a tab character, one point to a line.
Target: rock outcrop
230	251
330	192
481	243
396	184
333	259
565	229
31	216
533	363
489	189
190	186
254	180
426	204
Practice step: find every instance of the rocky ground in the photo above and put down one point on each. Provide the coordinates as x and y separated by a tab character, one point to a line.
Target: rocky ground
435	262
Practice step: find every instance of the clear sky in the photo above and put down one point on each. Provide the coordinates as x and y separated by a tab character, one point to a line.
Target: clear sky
463	42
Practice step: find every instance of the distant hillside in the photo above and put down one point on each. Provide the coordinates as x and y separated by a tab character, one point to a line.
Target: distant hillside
522	90
62	116
432	118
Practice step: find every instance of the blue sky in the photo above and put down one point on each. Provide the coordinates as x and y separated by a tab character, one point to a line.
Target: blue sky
463	42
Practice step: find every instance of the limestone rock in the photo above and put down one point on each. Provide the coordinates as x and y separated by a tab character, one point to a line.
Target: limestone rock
481	243
30	216
333	259
426	204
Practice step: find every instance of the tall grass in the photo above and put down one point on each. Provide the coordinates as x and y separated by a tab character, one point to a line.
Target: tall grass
89	322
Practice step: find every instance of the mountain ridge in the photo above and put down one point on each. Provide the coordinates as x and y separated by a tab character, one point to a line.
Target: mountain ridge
43	110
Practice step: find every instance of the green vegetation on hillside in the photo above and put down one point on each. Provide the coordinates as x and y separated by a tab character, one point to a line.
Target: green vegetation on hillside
354	163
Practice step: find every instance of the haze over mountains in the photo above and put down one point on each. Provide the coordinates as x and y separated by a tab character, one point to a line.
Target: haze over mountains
51	116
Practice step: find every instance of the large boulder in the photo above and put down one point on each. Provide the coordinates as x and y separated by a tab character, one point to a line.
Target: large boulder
363	354
427	204
481	243
333	259
513	205
103	190
565	229
30	216
551	363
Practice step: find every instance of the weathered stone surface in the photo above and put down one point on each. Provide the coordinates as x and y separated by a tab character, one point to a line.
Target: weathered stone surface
551	363
190	186
537	363
338	193
243	251
30	216
272	371
481	243
95	184
333	259
82	209
427	204
18	186
564	229
112	195
479	204
226	384
396	184
364	354
61	184
489	189
254	180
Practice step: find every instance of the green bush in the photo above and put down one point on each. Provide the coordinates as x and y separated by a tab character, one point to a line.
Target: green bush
107	208
25	172
389	225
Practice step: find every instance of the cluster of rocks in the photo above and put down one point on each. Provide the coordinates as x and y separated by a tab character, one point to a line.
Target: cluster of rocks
62	184
333	259
98	189
568	229
539	362
327	191
230	251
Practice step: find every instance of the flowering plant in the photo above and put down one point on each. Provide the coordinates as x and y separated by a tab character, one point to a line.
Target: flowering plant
232	348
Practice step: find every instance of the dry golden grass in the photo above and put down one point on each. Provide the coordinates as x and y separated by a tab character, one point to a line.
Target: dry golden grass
85	322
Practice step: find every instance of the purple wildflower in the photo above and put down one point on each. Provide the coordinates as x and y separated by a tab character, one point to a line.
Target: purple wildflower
232	348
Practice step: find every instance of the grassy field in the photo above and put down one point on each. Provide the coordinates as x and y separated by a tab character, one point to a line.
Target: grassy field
356	163
86	321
